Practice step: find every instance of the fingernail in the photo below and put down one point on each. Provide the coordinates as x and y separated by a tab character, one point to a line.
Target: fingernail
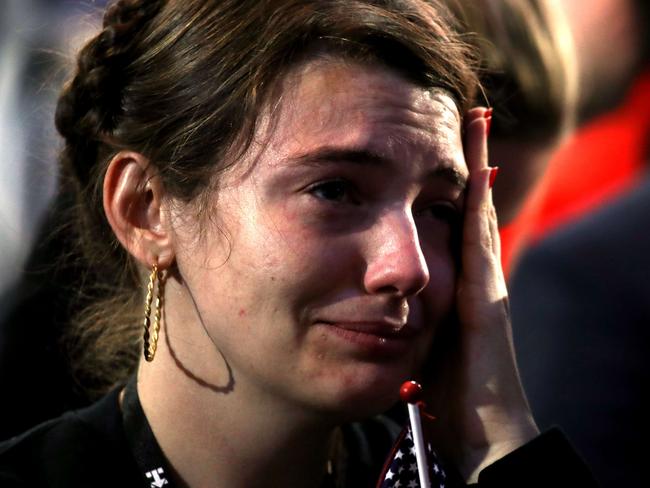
488	125
488	112
493	175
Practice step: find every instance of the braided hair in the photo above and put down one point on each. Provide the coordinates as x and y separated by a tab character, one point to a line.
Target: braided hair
183	83
90	105
87	113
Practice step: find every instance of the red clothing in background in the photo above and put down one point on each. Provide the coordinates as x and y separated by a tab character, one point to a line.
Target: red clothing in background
602	160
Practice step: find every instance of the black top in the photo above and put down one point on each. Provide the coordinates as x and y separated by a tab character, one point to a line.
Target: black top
101	447
580	315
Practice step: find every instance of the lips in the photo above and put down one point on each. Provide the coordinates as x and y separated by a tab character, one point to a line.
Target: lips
387	329
376	338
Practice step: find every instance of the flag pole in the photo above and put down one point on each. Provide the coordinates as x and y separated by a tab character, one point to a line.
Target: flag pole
411	392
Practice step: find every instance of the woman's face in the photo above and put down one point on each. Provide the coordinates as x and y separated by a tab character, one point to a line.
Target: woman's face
329	264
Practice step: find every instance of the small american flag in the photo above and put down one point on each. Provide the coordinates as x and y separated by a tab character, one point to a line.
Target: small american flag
401	470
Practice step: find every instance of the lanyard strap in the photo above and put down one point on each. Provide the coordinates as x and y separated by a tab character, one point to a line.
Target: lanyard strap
151	462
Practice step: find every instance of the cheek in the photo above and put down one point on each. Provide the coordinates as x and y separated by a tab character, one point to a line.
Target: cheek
300	248
285	267
438	297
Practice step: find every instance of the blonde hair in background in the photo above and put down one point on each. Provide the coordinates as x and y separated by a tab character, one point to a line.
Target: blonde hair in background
529	63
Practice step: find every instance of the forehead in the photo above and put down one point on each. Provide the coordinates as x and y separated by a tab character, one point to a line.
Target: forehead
352	105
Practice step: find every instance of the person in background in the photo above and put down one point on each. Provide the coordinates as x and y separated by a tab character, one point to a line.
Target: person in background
579	294
580	318
605	158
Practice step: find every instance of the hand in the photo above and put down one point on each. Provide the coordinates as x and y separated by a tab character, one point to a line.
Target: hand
475	391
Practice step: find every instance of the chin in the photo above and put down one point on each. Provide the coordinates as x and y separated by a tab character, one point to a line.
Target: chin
362	394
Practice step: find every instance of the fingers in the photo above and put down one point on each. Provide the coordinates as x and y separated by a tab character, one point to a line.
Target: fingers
494	230
476	153
481	244
474	113
478	232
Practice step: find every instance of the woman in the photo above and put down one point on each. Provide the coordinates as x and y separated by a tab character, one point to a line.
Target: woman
288	185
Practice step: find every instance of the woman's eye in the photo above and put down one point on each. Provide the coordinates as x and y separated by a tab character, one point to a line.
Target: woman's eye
443	211
334	190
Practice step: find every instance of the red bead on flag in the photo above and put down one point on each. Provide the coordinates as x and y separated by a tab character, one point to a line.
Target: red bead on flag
410	392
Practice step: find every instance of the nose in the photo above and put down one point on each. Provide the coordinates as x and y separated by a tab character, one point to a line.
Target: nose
395	262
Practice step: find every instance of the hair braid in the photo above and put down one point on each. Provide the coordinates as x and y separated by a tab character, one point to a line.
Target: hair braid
87	113
90	104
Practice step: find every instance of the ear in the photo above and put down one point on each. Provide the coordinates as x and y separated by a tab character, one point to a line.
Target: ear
134	206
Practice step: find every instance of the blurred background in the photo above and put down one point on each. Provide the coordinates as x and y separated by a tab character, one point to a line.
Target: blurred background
37	42
576	251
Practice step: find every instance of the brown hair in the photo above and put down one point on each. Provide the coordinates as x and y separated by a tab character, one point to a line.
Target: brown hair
183	82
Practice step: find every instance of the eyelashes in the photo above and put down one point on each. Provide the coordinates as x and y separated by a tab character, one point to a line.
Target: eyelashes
336	190
443	211
340	191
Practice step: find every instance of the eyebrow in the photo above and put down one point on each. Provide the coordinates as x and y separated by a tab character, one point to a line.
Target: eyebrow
367	157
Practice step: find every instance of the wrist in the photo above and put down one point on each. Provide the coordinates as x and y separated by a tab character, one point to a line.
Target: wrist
501	437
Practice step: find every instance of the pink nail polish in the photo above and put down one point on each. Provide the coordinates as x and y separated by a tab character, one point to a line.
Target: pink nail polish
493	175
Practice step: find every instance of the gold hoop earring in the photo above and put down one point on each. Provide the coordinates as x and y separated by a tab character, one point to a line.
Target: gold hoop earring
150	339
